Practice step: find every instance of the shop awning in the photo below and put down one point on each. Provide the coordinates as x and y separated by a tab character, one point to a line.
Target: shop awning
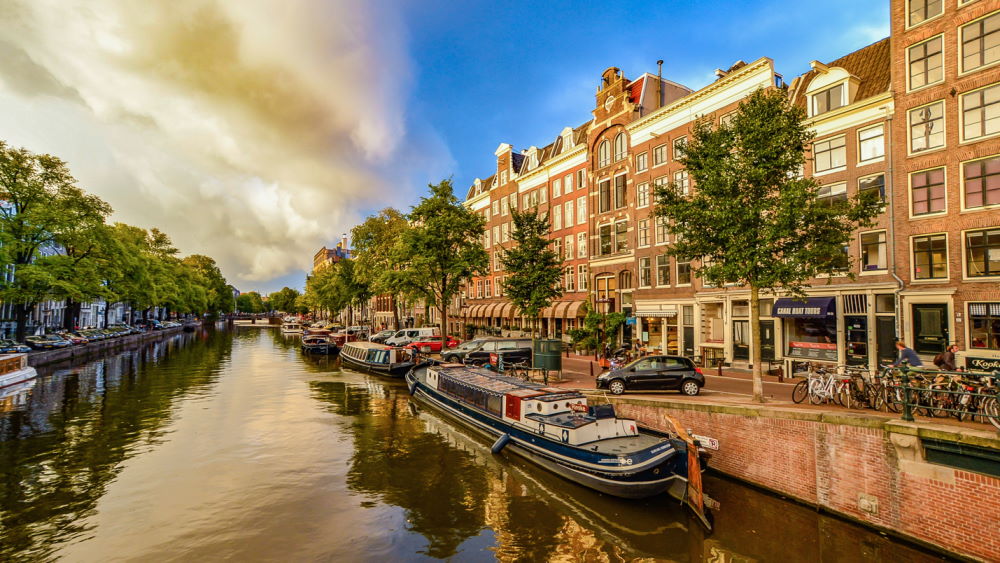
474	311
573	309
810	307
656	314
546	312
560	309
505	310
490	309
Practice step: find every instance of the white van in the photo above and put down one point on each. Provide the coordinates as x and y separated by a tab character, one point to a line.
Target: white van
407	335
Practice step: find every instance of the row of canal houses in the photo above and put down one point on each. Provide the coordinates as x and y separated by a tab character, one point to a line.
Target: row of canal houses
915	116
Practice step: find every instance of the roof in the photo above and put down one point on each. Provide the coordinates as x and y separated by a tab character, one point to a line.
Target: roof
869	64
635	89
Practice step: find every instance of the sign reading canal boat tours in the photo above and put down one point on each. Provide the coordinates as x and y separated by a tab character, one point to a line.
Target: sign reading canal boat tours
982	364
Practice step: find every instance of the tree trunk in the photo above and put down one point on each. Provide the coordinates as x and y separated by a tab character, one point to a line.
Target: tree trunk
443	309
70	314
21	320
107	312
395	310
758	380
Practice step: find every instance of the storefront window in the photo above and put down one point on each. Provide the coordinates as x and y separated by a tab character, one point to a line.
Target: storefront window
812	338
984	321
857	340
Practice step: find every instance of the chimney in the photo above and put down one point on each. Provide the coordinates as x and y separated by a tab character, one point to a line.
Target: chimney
659	83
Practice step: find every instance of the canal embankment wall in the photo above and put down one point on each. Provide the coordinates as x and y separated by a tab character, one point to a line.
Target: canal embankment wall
92	349
932	483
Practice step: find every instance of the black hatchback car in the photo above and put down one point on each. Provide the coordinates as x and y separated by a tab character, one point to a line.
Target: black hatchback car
654	372
514	350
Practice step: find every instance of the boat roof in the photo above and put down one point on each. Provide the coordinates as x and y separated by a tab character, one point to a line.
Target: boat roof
368	345
490	381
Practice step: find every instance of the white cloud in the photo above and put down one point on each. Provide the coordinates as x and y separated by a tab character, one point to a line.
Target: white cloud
250	131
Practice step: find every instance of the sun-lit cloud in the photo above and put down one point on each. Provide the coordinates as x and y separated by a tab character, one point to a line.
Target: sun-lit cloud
251	131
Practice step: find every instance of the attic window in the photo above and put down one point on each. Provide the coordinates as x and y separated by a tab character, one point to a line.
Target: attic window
828	100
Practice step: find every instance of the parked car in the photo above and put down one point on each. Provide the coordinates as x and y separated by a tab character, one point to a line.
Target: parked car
380	337
11	347
407	335
47	342
149	324
654	372
433	344
514	350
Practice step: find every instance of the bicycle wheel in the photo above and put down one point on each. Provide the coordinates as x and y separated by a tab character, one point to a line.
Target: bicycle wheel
875	395
893	398
938	401
817	392
801	391
991	411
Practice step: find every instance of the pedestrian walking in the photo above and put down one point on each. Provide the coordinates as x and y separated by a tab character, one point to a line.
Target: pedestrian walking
946	360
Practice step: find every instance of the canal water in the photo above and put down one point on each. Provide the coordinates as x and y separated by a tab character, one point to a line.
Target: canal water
232	445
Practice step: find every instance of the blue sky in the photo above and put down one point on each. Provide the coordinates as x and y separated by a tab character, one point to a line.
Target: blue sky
518	72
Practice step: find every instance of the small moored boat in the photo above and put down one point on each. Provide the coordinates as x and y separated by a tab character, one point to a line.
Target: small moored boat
558	430
377	358
291	327
14	369
319	344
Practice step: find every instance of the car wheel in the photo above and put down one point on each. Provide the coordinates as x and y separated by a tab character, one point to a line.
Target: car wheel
617	387
690	388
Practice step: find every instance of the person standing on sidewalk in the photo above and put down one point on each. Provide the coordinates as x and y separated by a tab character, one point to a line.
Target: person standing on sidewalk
907	355
946	360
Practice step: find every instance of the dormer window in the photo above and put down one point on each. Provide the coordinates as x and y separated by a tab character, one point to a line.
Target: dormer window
828	100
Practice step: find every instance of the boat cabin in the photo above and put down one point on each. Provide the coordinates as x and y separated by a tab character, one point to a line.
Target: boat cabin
375	354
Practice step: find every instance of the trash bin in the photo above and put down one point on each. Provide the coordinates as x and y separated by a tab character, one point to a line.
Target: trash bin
547	354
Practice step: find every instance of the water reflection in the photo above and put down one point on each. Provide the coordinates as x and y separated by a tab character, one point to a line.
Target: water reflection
234	445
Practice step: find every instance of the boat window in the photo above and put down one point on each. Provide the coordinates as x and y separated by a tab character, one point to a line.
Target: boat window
489	346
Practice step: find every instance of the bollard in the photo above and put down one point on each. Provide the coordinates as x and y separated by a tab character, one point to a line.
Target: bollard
720	369
591	369
907	409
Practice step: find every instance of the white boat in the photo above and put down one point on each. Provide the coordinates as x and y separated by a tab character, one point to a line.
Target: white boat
14	369
291	327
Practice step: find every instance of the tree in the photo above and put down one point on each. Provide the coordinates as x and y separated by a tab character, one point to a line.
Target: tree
534	268
220	293
374	240
42	210
442	249
250	302
284	300
751	219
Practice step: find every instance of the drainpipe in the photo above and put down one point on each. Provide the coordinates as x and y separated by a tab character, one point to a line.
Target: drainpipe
892	228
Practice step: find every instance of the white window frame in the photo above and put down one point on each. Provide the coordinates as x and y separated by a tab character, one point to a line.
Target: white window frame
642	225
961	172
814	101
581	245
906	15
568	214
961	115
944	128
861	254
557	223
965	249
556	188
649	268
662	147
568	251
581	179
874	159
581	210
835	168
642	195
642	158
961	55
677	273
947	259
581	277
944	59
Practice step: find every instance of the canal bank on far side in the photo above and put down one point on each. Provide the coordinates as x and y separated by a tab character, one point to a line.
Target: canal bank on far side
94	349
934	484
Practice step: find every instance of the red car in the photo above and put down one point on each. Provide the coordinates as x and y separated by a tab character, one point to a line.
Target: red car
433	344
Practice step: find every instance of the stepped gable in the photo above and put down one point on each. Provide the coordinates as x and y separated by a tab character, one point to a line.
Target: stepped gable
871	65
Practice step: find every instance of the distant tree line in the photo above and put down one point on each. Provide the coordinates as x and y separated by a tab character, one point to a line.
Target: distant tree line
56	244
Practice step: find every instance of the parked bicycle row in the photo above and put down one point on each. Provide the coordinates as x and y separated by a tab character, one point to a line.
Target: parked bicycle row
901	389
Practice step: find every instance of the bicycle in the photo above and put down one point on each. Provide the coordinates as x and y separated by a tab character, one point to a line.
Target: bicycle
520	370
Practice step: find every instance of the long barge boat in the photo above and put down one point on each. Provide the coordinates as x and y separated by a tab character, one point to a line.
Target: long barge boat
557	430
377	358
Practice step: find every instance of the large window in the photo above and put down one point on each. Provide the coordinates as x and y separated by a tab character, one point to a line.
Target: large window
581	277
830	154
679	144
662	270
569	247
981	42
984	326
644	273
873	251
682	182
604	239
556	188
581	210
829	99
871	143
660	155
874	183
832	194
621	150
981	113
489	288
927	127
930	257
641	163
982	182
642	231
604	196
982	253
603	154
926	62
556	218
922	10
661	230
683	273
581	179
621	236
570	283
568	213
642	195
620	194
581	245
927	191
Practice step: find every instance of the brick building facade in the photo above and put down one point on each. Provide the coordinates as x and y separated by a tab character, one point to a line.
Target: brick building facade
915	117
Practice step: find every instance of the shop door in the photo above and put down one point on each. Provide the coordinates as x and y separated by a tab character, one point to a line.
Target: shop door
767	340
741	340
930	328
885	338
689	341
857	340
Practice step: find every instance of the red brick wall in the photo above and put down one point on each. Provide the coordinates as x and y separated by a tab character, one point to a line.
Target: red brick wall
830	465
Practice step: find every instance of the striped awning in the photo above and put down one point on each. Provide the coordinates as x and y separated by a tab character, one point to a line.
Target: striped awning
546	312
559	309
656	314
506	310
574	309
475	310
489	309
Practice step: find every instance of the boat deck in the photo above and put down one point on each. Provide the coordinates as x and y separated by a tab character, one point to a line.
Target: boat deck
624	445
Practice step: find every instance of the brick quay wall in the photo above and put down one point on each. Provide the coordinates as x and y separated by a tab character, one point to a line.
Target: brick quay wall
867	468
92	349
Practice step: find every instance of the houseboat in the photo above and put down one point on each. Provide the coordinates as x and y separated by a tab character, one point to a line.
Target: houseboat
291	327
377	358
319	344
557	430
14	369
